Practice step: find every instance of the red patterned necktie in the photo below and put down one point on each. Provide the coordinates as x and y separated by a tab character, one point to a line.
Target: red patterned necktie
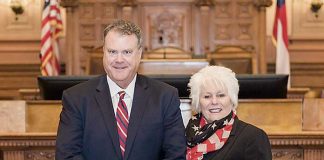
122	121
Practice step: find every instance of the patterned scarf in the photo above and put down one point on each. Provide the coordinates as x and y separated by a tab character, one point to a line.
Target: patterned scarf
203	137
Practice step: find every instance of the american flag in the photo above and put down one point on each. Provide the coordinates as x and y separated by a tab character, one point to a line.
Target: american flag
280	38
51	29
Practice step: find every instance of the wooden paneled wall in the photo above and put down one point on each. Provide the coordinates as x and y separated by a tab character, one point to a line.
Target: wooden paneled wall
194	26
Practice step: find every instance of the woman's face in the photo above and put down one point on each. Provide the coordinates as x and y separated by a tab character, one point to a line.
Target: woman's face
214	102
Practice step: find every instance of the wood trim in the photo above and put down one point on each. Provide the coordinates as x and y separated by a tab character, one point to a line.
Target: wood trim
302	145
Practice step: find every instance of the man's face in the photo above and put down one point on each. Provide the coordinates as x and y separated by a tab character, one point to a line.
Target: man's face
122	57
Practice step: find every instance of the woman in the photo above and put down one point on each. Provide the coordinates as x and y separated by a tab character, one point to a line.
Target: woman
215	132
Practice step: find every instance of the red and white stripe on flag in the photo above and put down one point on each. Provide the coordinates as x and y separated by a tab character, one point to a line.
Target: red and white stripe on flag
51	29
280	37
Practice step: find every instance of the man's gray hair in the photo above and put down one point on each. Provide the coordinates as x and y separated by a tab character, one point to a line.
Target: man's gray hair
125	28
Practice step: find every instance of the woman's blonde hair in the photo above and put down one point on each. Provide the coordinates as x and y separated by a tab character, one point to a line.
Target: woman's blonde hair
213	75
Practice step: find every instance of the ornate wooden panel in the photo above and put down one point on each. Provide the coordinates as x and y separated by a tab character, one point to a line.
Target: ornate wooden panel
167	26
237	23
27	146
234	22
93	17
287	154
39	154
297	146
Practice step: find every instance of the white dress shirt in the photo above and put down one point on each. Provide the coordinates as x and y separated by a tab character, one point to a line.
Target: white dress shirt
128	99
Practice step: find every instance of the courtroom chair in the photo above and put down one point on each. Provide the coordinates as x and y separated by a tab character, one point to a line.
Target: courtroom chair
241	59
94	64
167	53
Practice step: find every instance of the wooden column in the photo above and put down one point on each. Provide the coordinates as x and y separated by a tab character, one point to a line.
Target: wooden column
261	5
203	32
128	9
127	13
72	65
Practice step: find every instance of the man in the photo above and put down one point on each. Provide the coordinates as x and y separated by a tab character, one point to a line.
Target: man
121	115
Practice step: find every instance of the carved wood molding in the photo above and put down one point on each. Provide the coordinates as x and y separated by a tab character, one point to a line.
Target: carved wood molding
201	3
27	143
27	140
297	140
127	3
69	3
40	155
290	146
296	154
262	3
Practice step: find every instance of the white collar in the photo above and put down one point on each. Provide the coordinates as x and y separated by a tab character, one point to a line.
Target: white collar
114	88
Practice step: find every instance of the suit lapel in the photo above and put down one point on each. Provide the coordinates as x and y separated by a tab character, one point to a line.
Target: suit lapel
105	104
139	102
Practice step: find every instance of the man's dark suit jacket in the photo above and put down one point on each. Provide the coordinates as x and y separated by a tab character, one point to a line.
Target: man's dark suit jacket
88	129
246	142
